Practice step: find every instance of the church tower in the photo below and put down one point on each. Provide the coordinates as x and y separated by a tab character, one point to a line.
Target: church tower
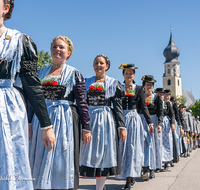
172	76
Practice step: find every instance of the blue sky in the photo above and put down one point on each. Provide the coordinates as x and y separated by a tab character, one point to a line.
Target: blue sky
130	31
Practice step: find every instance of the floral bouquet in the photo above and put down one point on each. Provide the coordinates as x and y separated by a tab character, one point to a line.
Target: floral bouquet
97	87
129	93
148	102
51	82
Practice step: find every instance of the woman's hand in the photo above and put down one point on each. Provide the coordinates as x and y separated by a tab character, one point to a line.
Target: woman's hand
151	128
30	132
86	137
159	129
173	127
123	134
48	138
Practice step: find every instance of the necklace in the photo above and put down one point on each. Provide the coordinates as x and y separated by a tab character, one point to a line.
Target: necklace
58	65
128	84
99	77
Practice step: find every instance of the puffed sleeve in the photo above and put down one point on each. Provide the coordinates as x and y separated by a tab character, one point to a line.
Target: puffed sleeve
171	113
117	105
79	92
30	82
142	104
177	117
160	112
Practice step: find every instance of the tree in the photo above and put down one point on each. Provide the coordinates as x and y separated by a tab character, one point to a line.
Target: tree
196	108
44	59
181	100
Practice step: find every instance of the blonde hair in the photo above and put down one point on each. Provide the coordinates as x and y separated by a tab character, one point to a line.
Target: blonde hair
67	41
9	14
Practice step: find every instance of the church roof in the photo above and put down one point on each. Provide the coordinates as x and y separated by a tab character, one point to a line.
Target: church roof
171	52
190	98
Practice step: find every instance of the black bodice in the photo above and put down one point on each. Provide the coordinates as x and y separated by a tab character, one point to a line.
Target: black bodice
97	98
129	103
5	68
54	92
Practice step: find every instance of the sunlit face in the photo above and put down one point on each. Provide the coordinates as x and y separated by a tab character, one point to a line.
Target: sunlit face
148	86
59	51
167	97
100	66
182	109
128	76
161	94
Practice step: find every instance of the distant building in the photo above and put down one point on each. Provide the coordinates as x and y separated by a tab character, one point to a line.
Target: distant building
172	76
190	98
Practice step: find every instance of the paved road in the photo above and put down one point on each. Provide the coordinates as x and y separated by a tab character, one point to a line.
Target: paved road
184	176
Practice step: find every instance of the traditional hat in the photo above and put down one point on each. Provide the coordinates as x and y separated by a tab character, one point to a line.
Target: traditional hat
167	91
172	99
128	66
148	78
182	106
159	90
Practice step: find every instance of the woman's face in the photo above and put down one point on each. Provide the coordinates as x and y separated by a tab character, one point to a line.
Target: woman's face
167	97
148	86
161	94
128	76
59	51
100	66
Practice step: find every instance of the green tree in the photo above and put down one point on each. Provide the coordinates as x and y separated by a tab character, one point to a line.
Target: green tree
44	59
196	108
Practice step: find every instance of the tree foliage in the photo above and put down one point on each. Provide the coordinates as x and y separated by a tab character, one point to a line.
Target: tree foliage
196	108
181	100
44	59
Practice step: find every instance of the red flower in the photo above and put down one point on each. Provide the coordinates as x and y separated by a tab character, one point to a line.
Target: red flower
148	103
130	94
127	94
91	88
54	83
99	88
48	83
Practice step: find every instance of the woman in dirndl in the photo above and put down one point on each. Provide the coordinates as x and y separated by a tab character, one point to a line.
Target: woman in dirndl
167	128
18	70
153	141
100	158
62	85
132	150
176	132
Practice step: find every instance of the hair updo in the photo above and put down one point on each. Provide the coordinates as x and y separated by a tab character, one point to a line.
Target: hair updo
9	14
106	59
67	41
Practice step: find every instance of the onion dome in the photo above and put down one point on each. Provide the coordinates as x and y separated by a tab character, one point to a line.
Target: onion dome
171	52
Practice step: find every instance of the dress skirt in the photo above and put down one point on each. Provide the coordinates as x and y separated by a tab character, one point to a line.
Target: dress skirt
152	145
131	150
14	164
58	168
100	157
175	136
167	141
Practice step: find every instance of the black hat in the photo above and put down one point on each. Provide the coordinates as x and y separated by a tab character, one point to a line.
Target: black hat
159	90
172	99
148	78
128	66
182	106
167	91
